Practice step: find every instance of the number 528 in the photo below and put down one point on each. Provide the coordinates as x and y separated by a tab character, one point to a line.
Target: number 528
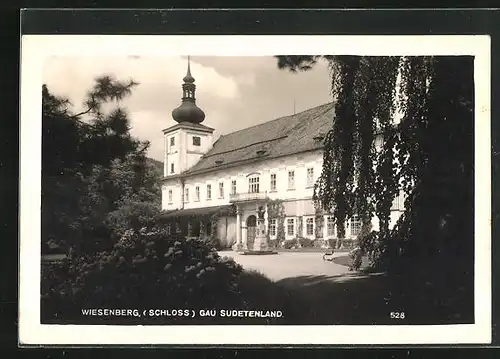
397	315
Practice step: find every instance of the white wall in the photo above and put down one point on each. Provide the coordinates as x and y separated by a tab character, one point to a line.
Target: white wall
280	166
172	153
175	186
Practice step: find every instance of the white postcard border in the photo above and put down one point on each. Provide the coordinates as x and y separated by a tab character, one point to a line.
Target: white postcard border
36	48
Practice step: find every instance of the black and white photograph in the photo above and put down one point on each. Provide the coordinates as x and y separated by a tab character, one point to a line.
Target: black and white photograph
256	189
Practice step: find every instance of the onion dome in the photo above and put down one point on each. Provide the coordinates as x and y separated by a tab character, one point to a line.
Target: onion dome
188	111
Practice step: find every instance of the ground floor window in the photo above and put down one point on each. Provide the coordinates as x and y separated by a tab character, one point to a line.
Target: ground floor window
330	226
309	226
272	227
355	226
290	227
168	229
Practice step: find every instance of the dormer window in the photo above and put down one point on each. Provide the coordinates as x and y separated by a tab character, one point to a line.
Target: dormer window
319	137
260	152
218	162
196	141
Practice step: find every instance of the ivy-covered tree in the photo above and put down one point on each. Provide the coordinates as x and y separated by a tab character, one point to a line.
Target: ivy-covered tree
401	124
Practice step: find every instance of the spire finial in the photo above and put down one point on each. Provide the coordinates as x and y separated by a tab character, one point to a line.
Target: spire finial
188	78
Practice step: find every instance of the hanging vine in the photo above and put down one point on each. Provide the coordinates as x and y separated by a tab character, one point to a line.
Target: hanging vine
428	155
334	188
276	210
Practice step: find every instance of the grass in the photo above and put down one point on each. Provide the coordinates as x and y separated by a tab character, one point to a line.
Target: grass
430	294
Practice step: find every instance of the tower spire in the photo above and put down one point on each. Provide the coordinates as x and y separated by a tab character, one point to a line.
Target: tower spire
188	111
188	78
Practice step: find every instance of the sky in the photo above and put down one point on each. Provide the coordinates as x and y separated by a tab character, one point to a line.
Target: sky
234	92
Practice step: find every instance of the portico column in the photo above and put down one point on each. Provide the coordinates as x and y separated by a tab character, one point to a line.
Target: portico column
238	229
266	220
238	226
244	236
202	229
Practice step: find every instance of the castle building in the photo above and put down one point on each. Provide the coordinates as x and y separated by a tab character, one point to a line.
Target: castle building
219	188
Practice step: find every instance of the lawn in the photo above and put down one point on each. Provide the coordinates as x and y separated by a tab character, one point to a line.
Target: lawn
429	295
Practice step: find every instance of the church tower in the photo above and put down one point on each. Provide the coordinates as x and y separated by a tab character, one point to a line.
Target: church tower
189	139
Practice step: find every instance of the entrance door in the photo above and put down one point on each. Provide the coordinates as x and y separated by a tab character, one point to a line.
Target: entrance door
251	230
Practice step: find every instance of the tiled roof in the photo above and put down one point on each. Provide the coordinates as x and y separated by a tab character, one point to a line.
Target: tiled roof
194	212
283	136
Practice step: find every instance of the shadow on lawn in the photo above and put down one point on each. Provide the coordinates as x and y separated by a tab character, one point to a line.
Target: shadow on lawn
359	299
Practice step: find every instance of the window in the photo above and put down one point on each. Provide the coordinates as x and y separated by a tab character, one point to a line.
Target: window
291	179
309	226
221	189
273	181
209	191
196	141
253	185
170	196
355	226
398	203
272	227
186	196
172	141
310	177
168	229
197	193
330	226
171	168
290	226
233	186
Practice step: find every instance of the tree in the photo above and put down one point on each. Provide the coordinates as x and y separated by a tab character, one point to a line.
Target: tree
428	154
91	165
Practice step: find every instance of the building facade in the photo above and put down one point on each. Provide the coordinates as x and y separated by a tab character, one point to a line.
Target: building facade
219	188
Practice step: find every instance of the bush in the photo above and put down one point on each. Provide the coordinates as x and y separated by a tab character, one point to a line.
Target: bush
272	243
145	269
290	244
306	242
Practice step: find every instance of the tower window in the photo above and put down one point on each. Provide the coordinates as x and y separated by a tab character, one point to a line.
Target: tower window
291	179
172	168
172	141
196	141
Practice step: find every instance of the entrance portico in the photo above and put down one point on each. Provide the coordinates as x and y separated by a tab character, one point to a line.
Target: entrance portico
249	207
